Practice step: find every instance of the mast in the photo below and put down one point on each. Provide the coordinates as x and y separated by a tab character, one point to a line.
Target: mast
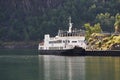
70	25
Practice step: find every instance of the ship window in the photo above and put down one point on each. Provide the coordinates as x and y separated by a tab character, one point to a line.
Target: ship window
41	48
69	34
66	41
74	41
58	41
61	48
51	42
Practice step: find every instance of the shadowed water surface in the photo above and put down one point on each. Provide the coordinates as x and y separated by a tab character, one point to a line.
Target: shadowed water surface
18	67
42	67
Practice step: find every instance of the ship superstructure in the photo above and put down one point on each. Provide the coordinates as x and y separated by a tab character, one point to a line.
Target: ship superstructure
64	40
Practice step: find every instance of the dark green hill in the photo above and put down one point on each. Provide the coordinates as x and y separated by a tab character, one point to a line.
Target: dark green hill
27	20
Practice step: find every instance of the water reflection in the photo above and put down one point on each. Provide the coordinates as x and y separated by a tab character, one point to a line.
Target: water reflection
62	68
103	68
79	68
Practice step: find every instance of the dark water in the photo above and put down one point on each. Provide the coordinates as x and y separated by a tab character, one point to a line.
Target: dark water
34	67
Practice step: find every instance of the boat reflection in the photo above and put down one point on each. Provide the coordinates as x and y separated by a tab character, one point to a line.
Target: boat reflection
79	68
102	68
62	68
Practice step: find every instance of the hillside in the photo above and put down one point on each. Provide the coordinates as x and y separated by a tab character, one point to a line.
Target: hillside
29	20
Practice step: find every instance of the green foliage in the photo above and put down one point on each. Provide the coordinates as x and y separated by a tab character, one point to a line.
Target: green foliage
23	20
117	23
106	21
92	29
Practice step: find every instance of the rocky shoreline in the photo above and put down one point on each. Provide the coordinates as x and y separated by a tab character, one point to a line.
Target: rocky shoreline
18	45
104	41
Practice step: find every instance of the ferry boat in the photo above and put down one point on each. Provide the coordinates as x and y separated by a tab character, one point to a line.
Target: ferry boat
67	42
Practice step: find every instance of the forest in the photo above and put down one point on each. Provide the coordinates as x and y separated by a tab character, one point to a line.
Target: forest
29	20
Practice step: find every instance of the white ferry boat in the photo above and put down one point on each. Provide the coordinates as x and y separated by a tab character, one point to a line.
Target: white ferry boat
71	42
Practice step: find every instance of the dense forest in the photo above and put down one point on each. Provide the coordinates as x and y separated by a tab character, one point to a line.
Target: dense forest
29	20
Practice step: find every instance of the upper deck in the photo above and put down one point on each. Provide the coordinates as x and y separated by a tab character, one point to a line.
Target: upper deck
75	32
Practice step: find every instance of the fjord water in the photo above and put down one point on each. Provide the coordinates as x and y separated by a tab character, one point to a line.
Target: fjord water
50	67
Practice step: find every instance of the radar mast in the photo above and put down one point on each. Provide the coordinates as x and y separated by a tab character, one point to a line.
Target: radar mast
70	25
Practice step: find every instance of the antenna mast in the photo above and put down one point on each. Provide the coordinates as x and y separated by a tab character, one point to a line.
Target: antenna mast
70	25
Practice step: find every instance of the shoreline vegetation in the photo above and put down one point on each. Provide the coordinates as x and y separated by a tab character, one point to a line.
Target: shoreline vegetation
19	45
104	41
99	40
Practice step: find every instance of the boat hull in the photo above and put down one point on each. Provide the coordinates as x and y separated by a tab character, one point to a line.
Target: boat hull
79	51
73	52
68	52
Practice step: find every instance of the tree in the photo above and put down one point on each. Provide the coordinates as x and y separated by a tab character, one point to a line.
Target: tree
30	19
117	23
106	21
92	29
